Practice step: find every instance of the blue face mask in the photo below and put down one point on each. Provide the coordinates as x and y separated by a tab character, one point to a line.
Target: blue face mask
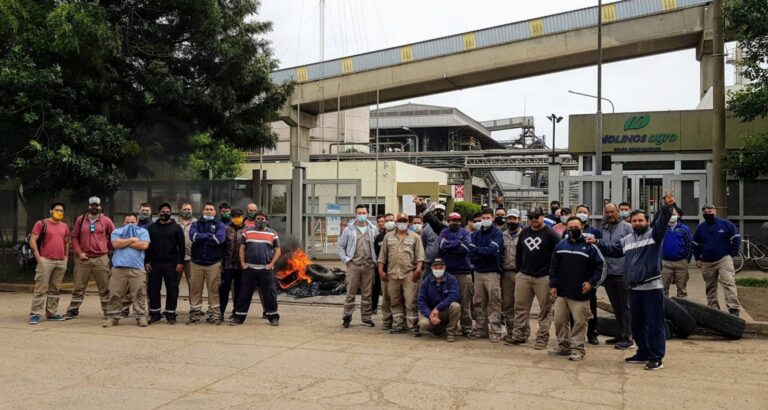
362	218
624	214
208	217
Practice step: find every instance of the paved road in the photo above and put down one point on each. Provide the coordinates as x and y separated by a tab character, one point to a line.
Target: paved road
310	362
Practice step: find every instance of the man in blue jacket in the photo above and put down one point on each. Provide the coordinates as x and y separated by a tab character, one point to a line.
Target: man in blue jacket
642	262
576	269
485	252
676	256
438	302
613	229
715	243
207	235
357	251
454	247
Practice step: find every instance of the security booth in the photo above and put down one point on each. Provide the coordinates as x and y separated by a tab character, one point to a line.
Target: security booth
648	153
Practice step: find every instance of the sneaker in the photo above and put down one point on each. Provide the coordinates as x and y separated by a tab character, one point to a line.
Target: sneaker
154	319
654	365
70	315
110	322
576	357
142	321
450	338
236	322
56	318
625	344
613	340
559	352
733	312
495	338
635	360
274	320
34	319
346	321
368	323
592	339
540	345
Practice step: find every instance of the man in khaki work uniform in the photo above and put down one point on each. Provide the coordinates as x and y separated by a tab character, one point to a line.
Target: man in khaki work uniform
186	220
509	266
356	249
403	255
128	274
90	242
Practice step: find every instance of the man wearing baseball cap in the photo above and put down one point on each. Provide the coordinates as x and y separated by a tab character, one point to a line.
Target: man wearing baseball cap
438	302
485	253
454	245
509	266
91	234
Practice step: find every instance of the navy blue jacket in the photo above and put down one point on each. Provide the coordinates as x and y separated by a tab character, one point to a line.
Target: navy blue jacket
454	248
677	243
433	295
714	241
573	263
207	239
486	250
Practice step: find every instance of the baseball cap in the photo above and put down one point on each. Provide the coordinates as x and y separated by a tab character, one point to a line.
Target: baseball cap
513	212
454	215
535	212
401	216
236	212
440	206
94	200
438	261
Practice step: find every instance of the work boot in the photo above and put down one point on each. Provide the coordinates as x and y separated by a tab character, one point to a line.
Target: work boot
592	339
346	321
369	323
416	332
171	319
142	321
154	319
576	357
110	322
274	320
733	312
541	344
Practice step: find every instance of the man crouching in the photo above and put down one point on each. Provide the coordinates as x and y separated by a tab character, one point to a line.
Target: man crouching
438	302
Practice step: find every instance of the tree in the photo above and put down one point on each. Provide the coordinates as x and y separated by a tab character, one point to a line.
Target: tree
92	93
220	158
746	20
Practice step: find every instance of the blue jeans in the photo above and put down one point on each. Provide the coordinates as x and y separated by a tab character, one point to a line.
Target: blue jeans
646	308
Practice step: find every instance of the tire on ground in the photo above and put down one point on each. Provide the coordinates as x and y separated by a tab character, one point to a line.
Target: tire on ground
320	273
723	323
608	326
684	324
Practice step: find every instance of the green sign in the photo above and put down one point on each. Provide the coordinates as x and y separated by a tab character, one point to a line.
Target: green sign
637	122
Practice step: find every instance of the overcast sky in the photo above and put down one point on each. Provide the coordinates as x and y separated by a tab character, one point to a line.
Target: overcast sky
663	82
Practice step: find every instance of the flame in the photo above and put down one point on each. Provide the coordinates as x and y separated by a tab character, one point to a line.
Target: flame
295	271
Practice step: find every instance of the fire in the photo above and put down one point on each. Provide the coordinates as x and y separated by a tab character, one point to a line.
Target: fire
295	271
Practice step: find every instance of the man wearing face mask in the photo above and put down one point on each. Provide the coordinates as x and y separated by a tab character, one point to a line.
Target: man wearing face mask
90	243
232	272
185	221
554	206
207	236
433	221
225	213
386	311
486	251
613	230
500	219
164	262
357	251
582	212
454	245
250	215
715	243
474	223
561	216
624	209
259	252
676	255
402	254
438	302
511	236
145	215
49	241
642	263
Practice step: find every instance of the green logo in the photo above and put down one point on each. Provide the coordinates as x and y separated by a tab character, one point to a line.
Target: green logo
637	122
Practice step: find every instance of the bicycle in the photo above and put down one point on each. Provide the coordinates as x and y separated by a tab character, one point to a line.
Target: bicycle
753	252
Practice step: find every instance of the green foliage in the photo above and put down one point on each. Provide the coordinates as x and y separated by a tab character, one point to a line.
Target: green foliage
466	209
752	282
746	20
221	158
92	93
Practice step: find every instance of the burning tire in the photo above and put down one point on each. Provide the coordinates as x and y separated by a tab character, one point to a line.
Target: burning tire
320	273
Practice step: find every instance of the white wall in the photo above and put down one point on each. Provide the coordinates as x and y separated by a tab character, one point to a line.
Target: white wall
354	129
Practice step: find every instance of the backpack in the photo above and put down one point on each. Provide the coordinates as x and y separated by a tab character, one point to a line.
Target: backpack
24	254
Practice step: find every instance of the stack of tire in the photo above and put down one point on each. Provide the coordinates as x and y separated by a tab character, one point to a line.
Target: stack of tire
684	318
331	282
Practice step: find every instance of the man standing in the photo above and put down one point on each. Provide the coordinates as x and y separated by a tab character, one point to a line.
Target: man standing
231	275
561	217
376	289
128	274
615	284
145	215
554	206
259	252
386	311
642	262
534	251
250	215
485	252
624	210
207	236
454	248
438	302
225	213
676	255
185	221
164	262
582	212
49	241
509	266
500	219
403	256
576	268
715	243
90	241
357	251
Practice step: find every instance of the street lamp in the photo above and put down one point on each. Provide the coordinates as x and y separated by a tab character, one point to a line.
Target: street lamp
555	119
613	109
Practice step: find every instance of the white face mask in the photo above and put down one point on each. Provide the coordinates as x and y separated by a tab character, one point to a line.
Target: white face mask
486	223
624	214
402	226
477	225
673	220
417	227
583	217
438	273
389	225
564	219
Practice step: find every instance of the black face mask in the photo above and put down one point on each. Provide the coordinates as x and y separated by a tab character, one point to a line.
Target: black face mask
513	226
574	233
640	230
499	220
553	209
440	216
165	217
709	218
454	228
93	210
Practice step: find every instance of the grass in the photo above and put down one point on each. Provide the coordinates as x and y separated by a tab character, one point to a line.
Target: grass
752	282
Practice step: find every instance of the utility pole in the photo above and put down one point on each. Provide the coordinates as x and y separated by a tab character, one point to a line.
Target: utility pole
719	180
599	116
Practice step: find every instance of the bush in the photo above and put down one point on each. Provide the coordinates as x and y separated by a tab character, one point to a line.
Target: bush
752	282
466	209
